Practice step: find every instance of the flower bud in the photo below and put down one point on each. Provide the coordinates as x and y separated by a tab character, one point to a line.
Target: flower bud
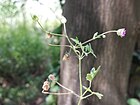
46	85
35	18
66	57
52	77
104	36
48	35
63	20
121	32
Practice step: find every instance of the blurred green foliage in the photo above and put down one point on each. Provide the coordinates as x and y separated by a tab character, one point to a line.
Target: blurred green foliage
133	101
25	58
8	8
21	51
25	62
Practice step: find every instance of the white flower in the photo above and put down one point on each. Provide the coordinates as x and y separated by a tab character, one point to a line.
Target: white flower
63	19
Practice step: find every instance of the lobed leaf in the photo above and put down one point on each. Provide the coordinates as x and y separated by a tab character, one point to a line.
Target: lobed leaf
90	76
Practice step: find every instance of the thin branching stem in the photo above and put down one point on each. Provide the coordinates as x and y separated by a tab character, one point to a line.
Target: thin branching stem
80	76
54	34
67	89
98	36
80	99
93	93
87	88
59	45
56	93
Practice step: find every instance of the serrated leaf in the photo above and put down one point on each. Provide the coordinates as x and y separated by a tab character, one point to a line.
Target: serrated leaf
86	48
94	72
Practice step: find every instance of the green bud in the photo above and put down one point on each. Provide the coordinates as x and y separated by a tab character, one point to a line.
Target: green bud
35	18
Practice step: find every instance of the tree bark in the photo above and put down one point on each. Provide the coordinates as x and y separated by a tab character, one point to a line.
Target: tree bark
84	18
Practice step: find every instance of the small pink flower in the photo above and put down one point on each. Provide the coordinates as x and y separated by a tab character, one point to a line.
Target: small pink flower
121	32
52	77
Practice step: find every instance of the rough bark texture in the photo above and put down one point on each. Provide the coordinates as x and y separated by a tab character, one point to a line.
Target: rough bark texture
114	54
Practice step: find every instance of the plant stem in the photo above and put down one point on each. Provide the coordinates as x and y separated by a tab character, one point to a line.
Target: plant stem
87	89
80	76
98	36
67	89
89	95
54	34
56	93
65	33
79	101
58	45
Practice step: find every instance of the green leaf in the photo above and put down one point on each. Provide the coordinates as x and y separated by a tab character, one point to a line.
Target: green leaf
35	18
94	72
76	41
89	77
133	101
88	49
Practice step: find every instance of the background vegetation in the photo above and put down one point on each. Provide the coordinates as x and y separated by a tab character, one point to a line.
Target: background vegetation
25	58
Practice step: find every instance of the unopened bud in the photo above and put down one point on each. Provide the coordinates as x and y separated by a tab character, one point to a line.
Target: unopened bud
63	19
66	57
35	18
104	36
52	77
46	85
48	35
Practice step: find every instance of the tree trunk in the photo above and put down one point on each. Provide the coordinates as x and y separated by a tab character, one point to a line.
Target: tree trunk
84	18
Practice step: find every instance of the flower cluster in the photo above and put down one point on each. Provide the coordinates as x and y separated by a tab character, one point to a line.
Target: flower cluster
46	84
